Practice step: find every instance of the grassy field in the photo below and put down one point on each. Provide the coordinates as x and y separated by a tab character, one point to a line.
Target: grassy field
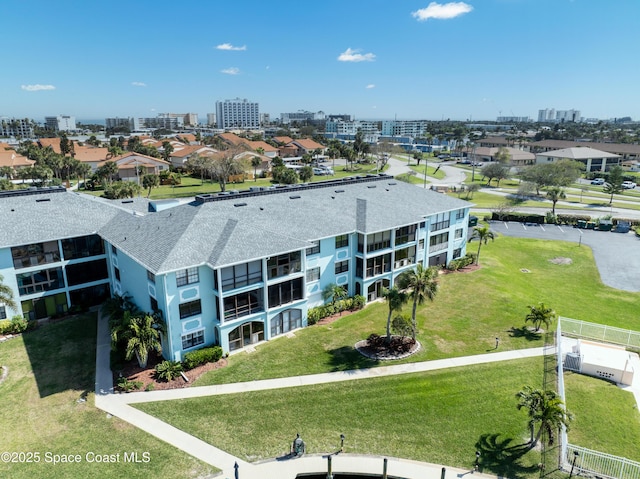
470	310
51	371
441	417
584	396
433	170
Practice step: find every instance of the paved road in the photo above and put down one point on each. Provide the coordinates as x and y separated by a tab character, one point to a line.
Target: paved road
617	255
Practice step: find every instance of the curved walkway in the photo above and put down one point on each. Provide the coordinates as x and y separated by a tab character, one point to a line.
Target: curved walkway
119	405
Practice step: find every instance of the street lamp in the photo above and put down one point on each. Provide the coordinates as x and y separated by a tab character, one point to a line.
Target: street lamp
341	442
575	456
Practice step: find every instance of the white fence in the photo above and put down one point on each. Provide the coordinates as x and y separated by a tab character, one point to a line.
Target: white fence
600	332
581	460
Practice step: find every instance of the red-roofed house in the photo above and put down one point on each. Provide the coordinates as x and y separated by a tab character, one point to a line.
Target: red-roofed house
145	165
180	156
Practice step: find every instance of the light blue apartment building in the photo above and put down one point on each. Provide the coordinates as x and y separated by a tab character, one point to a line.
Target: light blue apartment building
227	269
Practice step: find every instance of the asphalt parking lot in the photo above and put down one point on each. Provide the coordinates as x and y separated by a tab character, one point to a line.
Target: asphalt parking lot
617	255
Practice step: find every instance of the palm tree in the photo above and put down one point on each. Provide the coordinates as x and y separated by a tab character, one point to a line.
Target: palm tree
544	408
143	336
555	194
150	181
395	300
6	295
423	283
482	234
539	315
334	293
255	162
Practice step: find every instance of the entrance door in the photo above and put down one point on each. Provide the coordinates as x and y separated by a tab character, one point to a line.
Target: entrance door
375	289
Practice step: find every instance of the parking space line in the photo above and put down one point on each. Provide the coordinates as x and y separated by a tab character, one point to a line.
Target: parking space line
523	226
542	228
561	230
506	225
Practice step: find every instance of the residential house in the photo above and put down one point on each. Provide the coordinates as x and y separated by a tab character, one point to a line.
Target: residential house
593	160
133	166
516	157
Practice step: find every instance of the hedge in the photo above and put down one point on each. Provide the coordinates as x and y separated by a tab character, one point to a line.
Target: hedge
320	312
202	356
518	217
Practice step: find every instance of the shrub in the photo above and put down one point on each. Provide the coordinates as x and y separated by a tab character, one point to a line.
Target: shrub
150	387
202	356
401	325
518	217
168	370
358	302
571	219
314	315
551	218
126	385
15	325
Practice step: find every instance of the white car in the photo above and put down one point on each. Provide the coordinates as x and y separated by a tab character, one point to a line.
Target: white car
628	185
597	181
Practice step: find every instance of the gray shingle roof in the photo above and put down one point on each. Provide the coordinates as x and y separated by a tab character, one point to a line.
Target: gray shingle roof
223	232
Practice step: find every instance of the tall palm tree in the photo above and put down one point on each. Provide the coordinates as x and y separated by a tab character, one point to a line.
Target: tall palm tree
544	408
423	283
143	336
483	234
539	315
255	162
395	300
6	295
555	194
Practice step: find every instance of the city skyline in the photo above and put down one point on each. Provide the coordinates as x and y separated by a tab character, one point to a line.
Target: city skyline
472	60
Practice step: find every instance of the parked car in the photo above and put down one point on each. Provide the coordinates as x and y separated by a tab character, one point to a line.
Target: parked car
320	172
628	185
597	181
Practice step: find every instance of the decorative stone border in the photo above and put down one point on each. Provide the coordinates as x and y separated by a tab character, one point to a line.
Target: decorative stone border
360	345
5	373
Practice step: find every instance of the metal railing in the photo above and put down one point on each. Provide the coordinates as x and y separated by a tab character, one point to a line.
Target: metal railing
580	460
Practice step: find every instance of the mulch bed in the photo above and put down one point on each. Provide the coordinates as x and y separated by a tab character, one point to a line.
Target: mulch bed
146	376
377	348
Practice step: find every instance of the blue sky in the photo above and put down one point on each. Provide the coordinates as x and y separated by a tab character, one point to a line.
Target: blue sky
408	59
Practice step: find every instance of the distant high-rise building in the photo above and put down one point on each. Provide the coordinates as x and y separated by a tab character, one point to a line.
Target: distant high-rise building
301	116
127	123
546	115
60	123
188	119
513	119
211	119
412	128
17	127
568	115
237	113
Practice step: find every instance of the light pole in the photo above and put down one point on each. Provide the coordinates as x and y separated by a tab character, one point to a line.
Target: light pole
426	168
575	456
341	442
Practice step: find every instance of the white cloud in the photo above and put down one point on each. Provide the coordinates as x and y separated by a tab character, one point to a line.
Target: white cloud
229	47
231	71
37	87
138	83
369	86
442	11
350	55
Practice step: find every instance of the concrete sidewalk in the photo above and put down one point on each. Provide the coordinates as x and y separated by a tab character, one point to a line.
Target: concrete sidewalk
118	405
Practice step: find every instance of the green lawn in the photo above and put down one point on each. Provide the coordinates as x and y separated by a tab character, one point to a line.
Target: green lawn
441	417
50	369
589	398
432	171
470	310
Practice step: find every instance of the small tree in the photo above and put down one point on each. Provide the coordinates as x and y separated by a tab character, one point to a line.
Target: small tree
555	194
150	181
483	234
539	315
306	173
395	300
423	283
546	409
613	186
143	335
255	163
6	295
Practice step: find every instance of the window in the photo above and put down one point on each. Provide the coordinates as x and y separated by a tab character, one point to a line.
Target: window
360	243
187	276
405	234
421	244
457	253
87	272
458	233
286	321
315	249
82	247
116	273
284	264
3	312
192	339
378	241
286	292
151	277
438	242
39	281
114	250
342	241
359	267
404	257
422	225
378	265
241	275
342	266
192	308
440	221
35	254
313	274
243	304
459	214
154	303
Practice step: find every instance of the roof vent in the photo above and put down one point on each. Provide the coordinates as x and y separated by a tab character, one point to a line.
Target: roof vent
294	197
339	191
392	183
127	201
40	200
239	204
371	186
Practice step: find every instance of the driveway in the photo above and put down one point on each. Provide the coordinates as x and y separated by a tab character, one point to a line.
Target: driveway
616	254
